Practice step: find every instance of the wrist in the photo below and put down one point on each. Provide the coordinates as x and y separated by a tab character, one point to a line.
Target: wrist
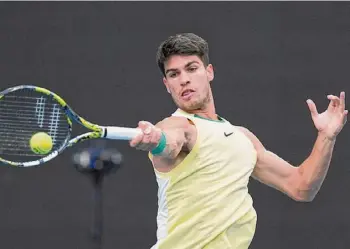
161	145
326	136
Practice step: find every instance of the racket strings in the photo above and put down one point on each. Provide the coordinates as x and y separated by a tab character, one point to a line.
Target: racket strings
24	113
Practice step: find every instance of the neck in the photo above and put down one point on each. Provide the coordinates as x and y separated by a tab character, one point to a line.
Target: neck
208	111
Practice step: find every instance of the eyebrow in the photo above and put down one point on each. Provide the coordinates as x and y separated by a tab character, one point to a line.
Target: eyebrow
187	65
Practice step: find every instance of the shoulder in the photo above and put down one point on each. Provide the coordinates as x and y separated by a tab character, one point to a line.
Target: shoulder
174	122
252	137
245	131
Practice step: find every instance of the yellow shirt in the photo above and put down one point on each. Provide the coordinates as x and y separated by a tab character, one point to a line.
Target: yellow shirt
205	198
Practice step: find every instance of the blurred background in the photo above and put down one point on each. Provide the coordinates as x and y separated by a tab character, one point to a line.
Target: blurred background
269	57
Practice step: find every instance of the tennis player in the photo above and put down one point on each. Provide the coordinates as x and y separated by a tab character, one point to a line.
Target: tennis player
203	163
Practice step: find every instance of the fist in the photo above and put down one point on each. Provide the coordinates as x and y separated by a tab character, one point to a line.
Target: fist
148	139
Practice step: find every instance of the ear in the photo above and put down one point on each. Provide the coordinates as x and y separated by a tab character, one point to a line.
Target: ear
210	72
166	84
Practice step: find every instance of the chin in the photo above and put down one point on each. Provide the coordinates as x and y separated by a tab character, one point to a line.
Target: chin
191	106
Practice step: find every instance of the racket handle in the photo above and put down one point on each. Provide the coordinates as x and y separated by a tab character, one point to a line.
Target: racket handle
121	133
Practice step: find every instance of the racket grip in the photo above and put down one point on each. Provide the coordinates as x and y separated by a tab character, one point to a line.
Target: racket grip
121	133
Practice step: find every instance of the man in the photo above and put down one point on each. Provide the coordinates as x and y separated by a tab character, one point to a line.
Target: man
203	163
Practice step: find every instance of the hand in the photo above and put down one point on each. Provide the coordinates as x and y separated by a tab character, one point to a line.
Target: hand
149	138
331	121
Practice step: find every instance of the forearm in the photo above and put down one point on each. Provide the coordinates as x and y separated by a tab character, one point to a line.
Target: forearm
314	169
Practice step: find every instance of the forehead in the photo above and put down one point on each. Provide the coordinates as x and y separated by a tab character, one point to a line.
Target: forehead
179	61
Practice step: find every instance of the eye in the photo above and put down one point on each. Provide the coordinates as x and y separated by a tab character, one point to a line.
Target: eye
172	75
192	69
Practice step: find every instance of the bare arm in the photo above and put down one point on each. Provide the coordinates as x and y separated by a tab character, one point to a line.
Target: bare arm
302	183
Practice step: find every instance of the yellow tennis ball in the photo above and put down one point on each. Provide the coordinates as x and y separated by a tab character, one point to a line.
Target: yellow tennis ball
41	143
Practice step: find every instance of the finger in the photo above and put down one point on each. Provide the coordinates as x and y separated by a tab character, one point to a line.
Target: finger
144	126
149	134
152	140
345	116
156	135
136	140
342	101
147	131
143	143
334	102
143	147
312	107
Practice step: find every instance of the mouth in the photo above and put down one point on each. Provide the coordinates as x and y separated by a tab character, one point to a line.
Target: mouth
187	93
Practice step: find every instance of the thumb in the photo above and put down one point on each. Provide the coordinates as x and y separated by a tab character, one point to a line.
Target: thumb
312	107
145	126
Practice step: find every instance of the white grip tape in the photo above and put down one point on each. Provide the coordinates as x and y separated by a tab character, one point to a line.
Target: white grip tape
121	133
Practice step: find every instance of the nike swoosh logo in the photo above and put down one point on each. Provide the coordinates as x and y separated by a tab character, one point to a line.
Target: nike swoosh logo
228	134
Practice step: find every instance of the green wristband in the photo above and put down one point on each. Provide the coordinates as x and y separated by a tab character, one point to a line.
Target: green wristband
161	145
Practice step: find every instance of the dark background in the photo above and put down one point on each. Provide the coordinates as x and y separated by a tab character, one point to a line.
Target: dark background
269	57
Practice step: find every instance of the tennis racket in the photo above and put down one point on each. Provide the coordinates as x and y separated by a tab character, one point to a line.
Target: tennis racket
26	110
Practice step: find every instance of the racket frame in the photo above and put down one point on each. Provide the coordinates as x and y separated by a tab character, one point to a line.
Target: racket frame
96	130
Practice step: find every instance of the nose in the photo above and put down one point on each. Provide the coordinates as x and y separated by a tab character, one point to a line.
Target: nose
185	79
